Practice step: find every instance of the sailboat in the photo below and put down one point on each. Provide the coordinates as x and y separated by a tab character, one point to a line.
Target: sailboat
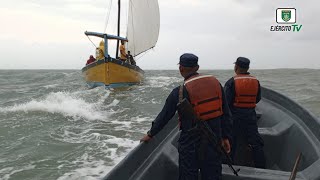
142	35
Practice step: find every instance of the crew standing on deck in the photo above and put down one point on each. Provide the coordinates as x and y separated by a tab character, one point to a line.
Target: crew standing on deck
90	60
243	93
123	54
207	97
100	51
131	60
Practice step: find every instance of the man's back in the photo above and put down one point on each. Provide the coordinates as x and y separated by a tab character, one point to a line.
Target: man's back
243	93
190	145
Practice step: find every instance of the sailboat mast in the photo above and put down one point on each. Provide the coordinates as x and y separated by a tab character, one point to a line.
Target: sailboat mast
119	7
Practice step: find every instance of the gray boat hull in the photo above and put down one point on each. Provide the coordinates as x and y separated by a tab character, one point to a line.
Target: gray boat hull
286	127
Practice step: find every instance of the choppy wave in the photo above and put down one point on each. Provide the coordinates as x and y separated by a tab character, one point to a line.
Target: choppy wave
9	171
161	81
51	86
64	103
89	167
87	170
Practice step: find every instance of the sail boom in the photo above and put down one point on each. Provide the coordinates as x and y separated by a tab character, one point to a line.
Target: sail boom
103	35
96	34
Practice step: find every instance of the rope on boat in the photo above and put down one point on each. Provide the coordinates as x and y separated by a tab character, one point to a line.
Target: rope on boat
91	42
144	53
107	16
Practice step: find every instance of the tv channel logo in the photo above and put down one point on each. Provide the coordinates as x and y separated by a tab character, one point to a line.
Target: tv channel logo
286	15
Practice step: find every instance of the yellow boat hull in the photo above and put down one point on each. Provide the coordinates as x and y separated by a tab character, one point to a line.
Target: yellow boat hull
112	73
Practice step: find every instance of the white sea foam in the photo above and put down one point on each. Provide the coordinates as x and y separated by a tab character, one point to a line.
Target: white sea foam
97	169
121	142
88	166
161	81
140	119
126	124
147	100
114	103
65	103
89	170
51	86
8	172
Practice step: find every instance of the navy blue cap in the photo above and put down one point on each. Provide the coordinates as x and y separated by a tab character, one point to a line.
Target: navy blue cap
188	60
243	62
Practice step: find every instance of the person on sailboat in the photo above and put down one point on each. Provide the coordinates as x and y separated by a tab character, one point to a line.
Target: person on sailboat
243	93
195	152
100	51
99	54
90	60
130	58
123	54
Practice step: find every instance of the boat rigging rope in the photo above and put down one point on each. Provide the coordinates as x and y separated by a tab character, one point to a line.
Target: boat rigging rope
107	16
144	53
92	42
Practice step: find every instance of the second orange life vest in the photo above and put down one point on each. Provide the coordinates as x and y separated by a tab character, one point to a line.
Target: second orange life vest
246	91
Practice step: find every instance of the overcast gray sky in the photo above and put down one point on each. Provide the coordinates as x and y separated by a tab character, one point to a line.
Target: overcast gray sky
39	34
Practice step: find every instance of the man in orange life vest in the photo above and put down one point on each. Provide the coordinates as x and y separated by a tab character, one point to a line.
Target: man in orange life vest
207	96
243	93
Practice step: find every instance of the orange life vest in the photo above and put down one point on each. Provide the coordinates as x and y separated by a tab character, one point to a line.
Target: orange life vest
205	96
246	91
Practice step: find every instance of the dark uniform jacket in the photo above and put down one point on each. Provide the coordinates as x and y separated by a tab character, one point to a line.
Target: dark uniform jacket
221	125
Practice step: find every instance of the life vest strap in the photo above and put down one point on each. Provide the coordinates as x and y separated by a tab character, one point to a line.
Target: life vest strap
180	93
245	102
208	100
209	112
247	95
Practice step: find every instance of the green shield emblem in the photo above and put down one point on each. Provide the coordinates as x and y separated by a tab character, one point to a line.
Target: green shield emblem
286	15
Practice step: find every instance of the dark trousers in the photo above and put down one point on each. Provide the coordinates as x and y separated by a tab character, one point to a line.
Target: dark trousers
245	128
198	155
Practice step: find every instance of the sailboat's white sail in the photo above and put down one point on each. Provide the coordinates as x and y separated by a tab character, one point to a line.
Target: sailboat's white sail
143	25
